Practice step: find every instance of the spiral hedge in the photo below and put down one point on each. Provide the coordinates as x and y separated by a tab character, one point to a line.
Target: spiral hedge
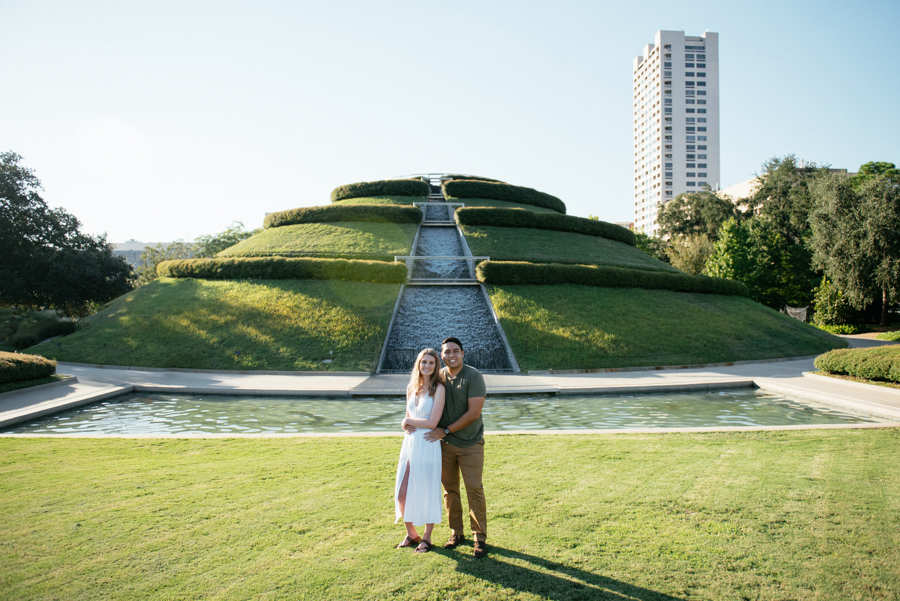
543	221
498	191
347	213
388	187
881	363
284	268
520	272
15	367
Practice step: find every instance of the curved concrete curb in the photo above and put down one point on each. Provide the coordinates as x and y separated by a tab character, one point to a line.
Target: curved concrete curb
248	372
65	380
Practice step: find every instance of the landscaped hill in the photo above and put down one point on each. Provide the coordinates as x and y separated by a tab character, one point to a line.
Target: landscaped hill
571	293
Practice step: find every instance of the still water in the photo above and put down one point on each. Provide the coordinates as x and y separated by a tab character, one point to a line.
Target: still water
154	413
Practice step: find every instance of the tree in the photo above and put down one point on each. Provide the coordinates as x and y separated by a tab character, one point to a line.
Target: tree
690	253
856	238
47	260
693	213
211	245
873	169
154	255
783	197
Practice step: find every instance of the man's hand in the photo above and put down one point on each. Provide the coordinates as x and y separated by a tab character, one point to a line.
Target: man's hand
435	435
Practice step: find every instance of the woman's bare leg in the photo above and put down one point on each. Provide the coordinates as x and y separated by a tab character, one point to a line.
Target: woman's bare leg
401	500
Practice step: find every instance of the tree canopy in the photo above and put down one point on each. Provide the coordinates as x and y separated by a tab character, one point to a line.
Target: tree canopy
693	213
47	260
856	237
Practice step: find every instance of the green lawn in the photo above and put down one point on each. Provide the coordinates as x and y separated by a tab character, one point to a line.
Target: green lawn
500	204
381	200
255	324
549	246
583	327
348	239
803	515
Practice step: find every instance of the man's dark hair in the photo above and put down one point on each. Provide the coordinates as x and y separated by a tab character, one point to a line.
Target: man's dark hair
455	341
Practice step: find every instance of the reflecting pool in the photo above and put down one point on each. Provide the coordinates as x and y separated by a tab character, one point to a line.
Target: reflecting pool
156	413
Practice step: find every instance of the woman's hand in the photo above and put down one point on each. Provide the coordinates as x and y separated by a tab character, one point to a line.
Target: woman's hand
407	427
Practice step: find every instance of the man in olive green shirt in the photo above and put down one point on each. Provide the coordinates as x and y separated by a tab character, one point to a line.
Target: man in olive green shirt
461	431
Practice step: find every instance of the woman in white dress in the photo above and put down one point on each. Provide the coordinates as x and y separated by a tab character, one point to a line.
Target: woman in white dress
417	492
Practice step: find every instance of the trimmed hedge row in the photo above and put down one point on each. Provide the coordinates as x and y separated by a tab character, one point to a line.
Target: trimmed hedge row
352	213
388	187
284	268
15	367
473	178
519	272
543	221
498	191
882	363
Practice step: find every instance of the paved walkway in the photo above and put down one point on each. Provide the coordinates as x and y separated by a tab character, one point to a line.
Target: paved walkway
785	377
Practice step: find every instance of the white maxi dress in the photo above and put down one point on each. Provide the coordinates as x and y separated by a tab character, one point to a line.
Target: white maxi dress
423	491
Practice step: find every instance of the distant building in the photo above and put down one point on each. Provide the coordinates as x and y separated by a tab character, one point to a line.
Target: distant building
748	188
676	121
132	250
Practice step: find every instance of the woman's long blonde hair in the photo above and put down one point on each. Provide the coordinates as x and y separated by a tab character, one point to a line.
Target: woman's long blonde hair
416	377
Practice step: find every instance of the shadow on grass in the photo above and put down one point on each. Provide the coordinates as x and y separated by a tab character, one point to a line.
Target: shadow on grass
548	579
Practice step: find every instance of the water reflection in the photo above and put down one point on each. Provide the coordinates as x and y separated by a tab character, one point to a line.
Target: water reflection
152	413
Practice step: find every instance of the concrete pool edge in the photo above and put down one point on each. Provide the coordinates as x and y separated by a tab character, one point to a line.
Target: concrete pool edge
488	434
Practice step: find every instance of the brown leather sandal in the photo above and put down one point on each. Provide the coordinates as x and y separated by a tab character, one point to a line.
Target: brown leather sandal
424	549
407	542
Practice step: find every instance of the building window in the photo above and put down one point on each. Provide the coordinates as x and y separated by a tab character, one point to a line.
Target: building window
702	147
690	56
701	83
701	166
668	165
690	101
669	192
690	165
688	73
668	174
689	147
690	157
690	119
701	101
701	65
690	129
690	138
690	110
689	84
692	184
701	156
691	174
701	139
701	120
667	74
701	175
701	74
667	65
701	110
689	92
701	92
689	65
701	57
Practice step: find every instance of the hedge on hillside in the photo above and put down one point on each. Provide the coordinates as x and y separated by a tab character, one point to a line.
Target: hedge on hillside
543	221
15	367
30	336
351	213
284	268
479	189
517	272
388	187
880	363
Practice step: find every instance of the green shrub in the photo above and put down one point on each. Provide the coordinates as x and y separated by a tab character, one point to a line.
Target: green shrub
389	187
29	336
832	308
840	329
284	268
346	213
478	178
497	191
515	272
891	336
15	367
880	363
474	216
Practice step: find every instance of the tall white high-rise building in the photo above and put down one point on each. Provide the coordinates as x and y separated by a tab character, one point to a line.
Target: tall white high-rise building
676	121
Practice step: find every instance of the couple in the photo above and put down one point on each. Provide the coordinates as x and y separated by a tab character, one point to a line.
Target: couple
444	436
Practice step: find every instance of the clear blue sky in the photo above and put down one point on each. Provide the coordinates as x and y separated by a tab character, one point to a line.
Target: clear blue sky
165	120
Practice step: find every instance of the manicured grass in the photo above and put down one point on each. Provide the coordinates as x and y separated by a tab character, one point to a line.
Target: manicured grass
342	239
889	336
547	246
381	200
500	204
583	327
782	515
253	324
11	386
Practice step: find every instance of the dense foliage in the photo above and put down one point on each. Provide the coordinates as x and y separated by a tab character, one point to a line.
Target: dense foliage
856	238
880	363
46	260
689	253
15	367
695	213
515	272
832	307
390	187
284	268
472	216
499	191
347	213
209	245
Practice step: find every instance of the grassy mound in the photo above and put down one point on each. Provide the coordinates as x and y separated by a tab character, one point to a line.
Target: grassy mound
802	515
548	246
339	239
253	324
381	200
582	327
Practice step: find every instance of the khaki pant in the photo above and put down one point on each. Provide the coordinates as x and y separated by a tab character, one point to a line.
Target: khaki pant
469	461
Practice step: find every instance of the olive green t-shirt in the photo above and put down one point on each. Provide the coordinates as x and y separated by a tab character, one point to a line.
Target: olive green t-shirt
468	383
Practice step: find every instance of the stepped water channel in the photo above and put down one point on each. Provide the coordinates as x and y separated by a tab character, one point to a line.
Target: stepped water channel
443	298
